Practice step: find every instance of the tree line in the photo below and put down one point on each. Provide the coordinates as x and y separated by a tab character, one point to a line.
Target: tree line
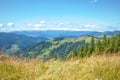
104	45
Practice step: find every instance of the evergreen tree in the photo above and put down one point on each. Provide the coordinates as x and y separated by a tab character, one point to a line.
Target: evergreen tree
111	45
92	45
117	43
85	51
104	42
69	56
74	53
55	56
81	53
98	48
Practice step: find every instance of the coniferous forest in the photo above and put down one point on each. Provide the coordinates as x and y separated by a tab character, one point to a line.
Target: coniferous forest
105	45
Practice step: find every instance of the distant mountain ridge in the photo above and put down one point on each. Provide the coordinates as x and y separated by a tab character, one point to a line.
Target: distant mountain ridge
9	39
62	33
49	42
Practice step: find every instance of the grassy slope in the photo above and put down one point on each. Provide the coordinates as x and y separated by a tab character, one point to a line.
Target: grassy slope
54	45
93	68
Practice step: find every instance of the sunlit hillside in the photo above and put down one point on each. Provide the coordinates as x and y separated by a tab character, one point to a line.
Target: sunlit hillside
62	46
102	67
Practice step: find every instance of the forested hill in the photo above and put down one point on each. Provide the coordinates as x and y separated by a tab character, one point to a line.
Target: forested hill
73	47
106	45
61	46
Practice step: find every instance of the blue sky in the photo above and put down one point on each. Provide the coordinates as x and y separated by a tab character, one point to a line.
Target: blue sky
81	15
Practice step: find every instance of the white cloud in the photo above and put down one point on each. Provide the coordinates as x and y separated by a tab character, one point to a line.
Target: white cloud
1	25
39	25
101	28
29	24
69	29
93	1
42	22
90	26
4	29
10	24
37	28
61	24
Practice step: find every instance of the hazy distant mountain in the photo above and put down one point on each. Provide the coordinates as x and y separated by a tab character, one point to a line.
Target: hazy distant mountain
9	39
62	33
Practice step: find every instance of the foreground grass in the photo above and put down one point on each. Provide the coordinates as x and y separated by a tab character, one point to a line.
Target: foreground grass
92	68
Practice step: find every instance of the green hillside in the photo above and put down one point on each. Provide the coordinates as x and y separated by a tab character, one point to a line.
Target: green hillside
61	46
73	47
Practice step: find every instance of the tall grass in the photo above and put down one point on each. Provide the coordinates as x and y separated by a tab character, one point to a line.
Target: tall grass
16	69
89	68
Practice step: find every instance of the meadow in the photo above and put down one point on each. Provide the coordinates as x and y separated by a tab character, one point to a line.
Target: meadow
96	67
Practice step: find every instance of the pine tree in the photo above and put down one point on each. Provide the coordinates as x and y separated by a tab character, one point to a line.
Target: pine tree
74	53
85	51
98	48
69	56
81	53
104	42
114	44
55	56
117	43
111	45
92	45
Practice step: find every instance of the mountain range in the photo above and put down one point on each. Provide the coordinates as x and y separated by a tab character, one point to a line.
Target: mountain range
63	33
44	43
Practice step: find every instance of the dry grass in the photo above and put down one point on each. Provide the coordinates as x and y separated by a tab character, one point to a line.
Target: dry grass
16	69
92	68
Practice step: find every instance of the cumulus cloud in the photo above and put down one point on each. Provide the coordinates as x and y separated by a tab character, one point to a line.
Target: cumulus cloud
1	25
40	25
10	24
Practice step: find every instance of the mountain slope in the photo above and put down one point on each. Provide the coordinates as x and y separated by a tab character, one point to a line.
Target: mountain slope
9	39
61	46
